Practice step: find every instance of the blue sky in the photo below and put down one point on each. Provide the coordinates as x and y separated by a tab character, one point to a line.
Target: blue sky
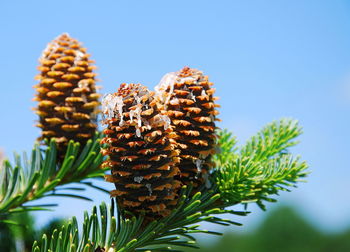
268	59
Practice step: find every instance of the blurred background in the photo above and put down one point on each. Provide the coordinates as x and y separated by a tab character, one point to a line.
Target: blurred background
268	59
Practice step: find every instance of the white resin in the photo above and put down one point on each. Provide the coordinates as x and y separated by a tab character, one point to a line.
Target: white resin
165	120
112	104
199	165
149	187
138	132
138	179
174	101
78	56
137	113
166	82
107	109
49	50
83	83
162	120
191	96
184	79
120	104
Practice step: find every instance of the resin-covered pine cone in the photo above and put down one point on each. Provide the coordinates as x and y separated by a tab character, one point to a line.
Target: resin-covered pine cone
140	152
187	98
66	93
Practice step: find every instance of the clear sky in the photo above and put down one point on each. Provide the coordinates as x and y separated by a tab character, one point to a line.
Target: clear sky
268	59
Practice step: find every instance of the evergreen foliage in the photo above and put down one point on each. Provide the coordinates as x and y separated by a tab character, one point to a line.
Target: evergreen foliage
260	168
251	173
41	176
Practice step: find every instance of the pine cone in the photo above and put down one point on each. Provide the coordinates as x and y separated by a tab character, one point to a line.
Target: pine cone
66	93
188	100
141	152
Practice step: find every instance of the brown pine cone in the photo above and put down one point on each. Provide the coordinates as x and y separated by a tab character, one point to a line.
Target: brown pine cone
187	98
140	152
66	93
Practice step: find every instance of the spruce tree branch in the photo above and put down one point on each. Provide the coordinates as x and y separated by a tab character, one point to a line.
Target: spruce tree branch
275	138
27	180
112	232
263	166
261	169
245	181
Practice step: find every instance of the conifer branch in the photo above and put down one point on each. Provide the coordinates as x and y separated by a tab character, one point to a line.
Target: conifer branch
241	176
112	232
262	167
41	176
246	181
275	138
